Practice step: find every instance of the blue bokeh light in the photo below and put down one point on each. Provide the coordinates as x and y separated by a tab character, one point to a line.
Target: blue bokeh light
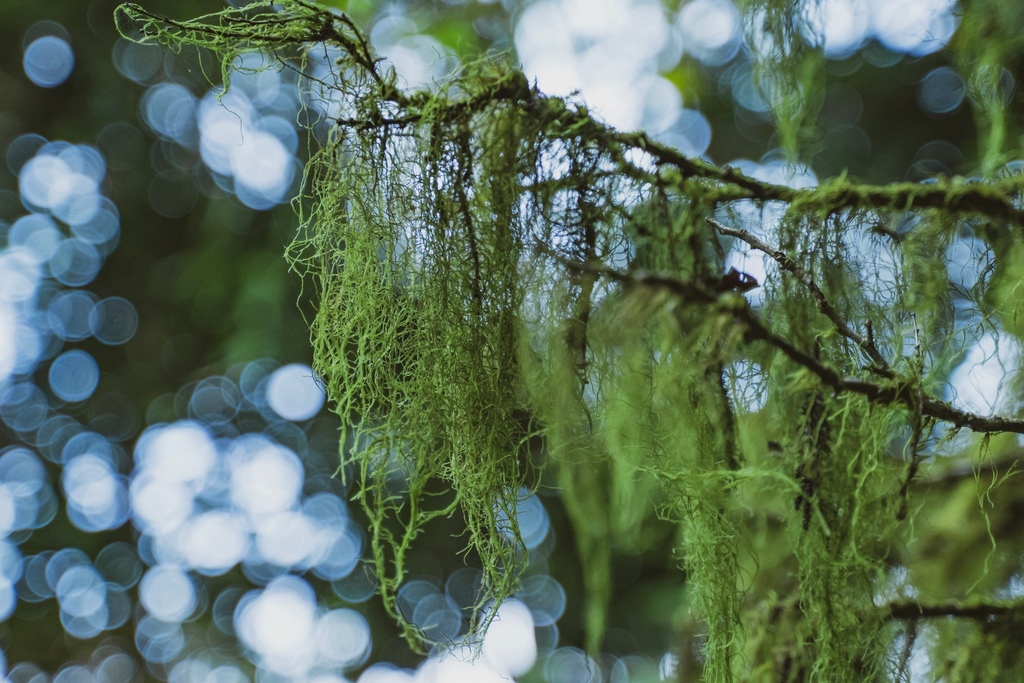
168	593
48	61
74	376
69	312
113	320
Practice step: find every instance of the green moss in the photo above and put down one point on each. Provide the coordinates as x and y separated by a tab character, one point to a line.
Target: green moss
495	269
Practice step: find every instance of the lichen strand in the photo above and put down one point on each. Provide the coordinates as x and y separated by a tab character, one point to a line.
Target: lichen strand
504	284
788	72
988	41
415	244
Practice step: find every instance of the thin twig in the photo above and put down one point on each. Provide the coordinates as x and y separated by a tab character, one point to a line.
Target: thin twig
917	432
824	305
910	609
909	637
673	168
906	394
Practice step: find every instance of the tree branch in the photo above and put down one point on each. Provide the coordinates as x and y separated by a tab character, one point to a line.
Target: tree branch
824	305
312	25
890	393
912	610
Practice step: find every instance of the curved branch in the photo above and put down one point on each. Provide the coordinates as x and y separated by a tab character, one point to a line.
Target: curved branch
888	393
824	305
310	24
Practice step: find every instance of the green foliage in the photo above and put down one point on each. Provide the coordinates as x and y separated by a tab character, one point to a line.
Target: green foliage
506	285
988	41
788	72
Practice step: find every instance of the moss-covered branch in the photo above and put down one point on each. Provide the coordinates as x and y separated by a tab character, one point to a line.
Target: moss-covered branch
867	344
506	284
906	393
270	26
908	610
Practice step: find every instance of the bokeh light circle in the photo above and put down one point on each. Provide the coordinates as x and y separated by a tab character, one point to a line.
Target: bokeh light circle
113	320
710	29
96	495
941	91
69	312
278	624
48	61
74	376
293	394
168	593
509	644
544	596
75	262
343	638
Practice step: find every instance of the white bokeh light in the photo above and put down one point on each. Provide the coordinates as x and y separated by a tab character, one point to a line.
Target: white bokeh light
456	666
167	593
839	27
20	274
8	340
82	595
36	232
213	542
95	493
710	30
343	638
63	179
8	510
595	18
917	27
608	52
287	539
223	124
158	506
978	384
266	477
279	623
386	673
182	453
509	644
293	394
234	143
262	168
38	175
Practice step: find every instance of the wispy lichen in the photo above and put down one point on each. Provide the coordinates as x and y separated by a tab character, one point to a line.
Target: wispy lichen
506	284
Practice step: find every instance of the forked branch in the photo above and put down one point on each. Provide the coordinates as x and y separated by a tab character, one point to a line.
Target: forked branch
887	393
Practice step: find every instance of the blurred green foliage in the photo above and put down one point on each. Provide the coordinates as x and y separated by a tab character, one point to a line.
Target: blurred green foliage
213	290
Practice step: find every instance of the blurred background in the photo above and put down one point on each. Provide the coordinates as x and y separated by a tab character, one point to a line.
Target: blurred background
169	501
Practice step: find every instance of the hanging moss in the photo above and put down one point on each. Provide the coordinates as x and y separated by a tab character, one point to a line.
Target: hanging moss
495	268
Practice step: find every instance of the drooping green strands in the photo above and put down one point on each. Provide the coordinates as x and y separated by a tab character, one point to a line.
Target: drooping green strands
630	433
987	45
439	280
267	27
787	71
845	507
505	284
929	305
691	460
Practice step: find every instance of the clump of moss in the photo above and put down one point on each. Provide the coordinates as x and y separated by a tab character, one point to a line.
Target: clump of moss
506	284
